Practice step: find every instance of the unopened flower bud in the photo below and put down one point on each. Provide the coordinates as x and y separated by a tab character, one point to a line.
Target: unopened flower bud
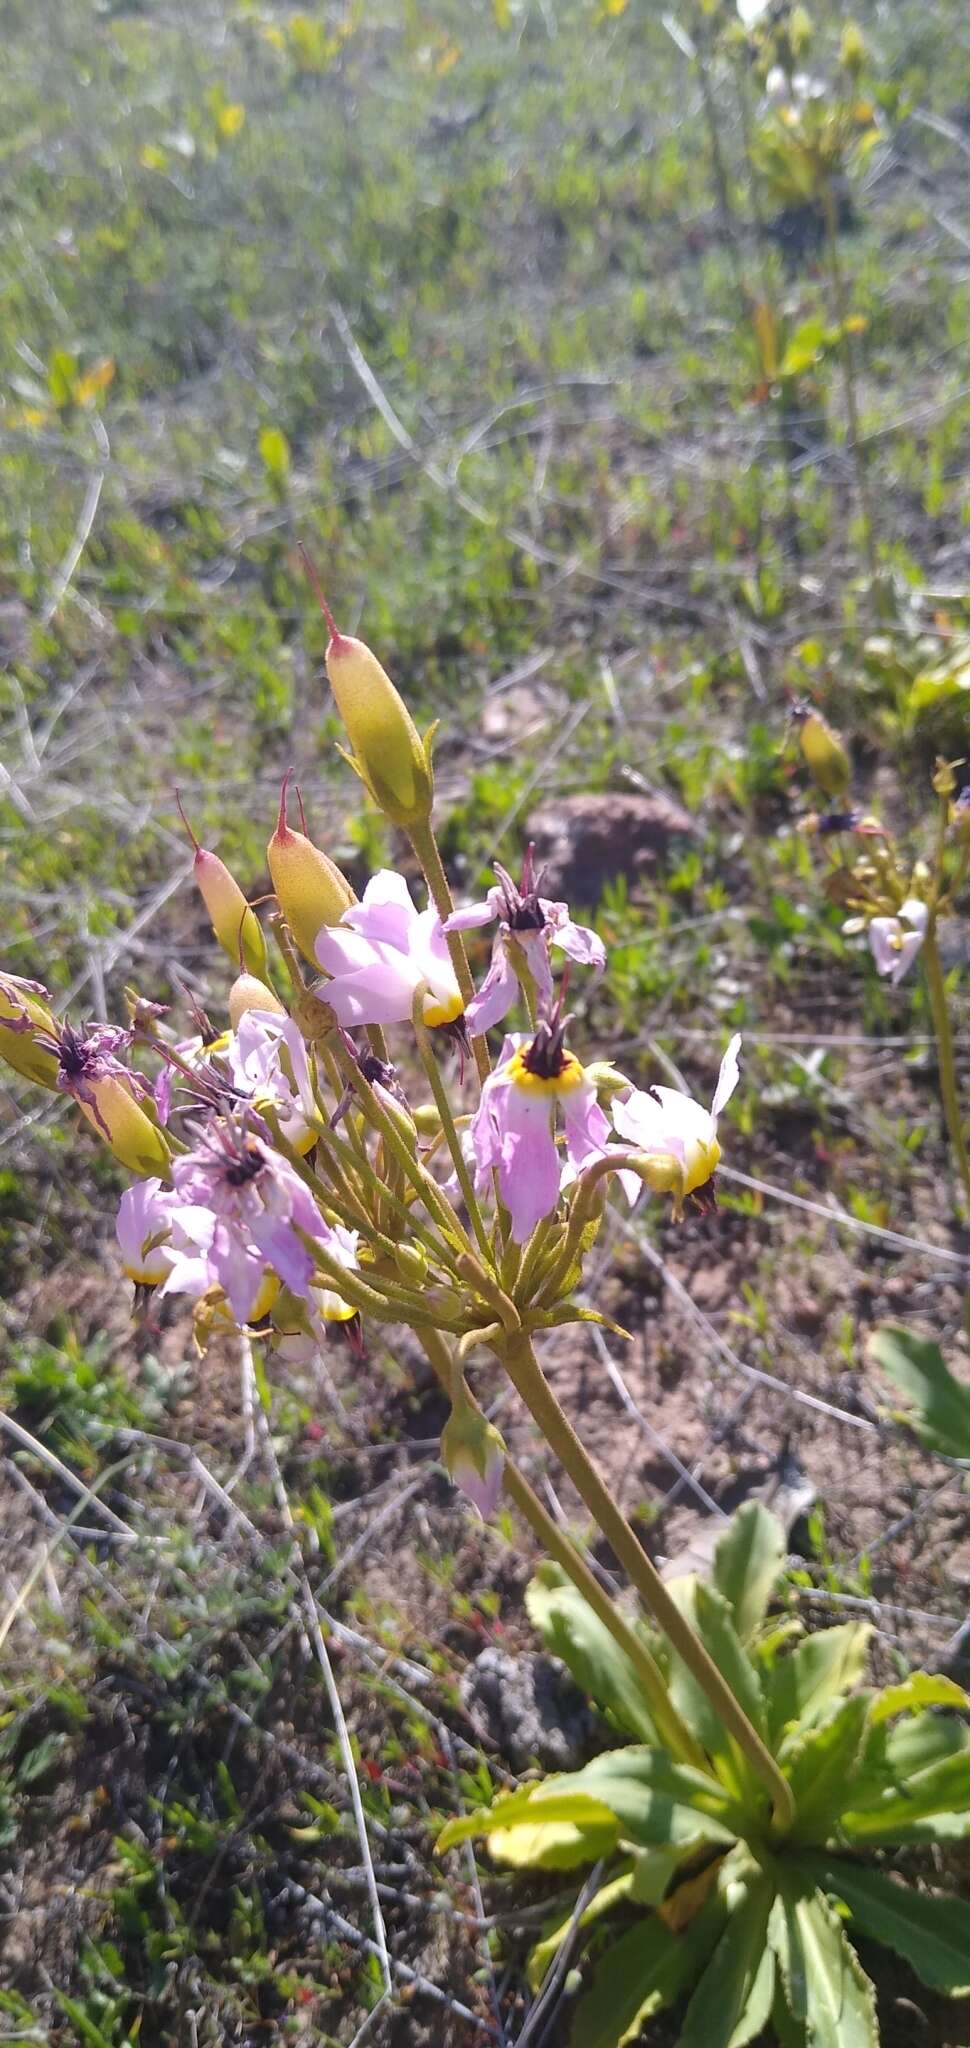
389	755
234	923
249	993
427	1119
824	754
412	1263
24	1019
961	818
473	1455
310	889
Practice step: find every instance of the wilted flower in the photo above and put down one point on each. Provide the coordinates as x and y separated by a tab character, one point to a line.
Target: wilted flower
473	1455
110	1094
895	941
379	955
676	1135
27	1029
242	1205
532	924
514	1126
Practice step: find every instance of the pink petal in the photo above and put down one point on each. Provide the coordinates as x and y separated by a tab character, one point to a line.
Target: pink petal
496	995
385	913
468	919
529	1171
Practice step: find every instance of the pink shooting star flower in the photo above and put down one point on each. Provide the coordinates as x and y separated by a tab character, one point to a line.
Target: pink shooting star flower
379	955
514	1127
676	1135
530	924
895	941
242	1206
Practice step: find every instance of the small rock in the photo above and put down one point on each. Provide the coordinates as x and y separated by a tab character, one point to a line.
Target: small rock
530	1708
584	841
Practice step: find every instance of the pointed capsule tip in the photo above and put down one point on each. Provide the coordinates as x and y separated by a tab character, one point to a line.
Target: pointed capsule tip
338	640
181	812
282	828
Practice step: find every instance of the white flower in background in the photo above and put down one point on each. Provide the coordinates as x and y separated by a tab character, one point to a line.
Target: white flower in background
895	941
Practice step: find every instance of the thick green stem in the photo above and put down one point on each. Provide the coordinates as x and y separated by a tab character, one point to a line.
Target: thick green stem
530	1383
944	1051
673	1731
426	847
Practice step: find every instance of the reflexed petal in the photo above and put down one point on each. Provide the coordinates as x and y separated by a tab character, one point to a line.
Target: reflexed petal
343	952
587	1129
496	995
581	944
378	994
281	1249
470	918
885	938
385	913
529	1170
728	1077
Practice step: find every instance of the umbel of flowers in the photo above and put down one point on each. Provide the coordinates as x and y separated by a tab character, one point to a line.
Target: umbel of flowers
896	900
294	1178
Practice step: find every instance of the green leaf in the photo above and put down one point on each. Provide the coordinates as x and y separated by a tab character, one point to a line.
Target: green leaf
826	1988
546	1950
710	1615
657	1801
921	1689
820	1765
895	1754
747	1562
932	1805
640	1974
571	1630
717	2012
545	1825
938	1406
932	1933
821	1667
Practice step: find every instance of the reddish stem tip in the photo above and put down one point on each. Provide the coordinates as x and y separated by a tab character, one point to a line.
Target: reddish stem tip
336	637
185	822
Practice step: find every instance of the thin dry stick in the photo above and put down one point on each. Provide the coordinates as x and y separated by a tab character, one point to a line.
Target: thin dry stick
714	1338
63	1472
89	513
841	1217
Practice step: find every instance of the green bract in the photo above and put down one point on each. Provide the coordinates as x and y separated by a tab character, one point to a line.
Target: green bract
755	1928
